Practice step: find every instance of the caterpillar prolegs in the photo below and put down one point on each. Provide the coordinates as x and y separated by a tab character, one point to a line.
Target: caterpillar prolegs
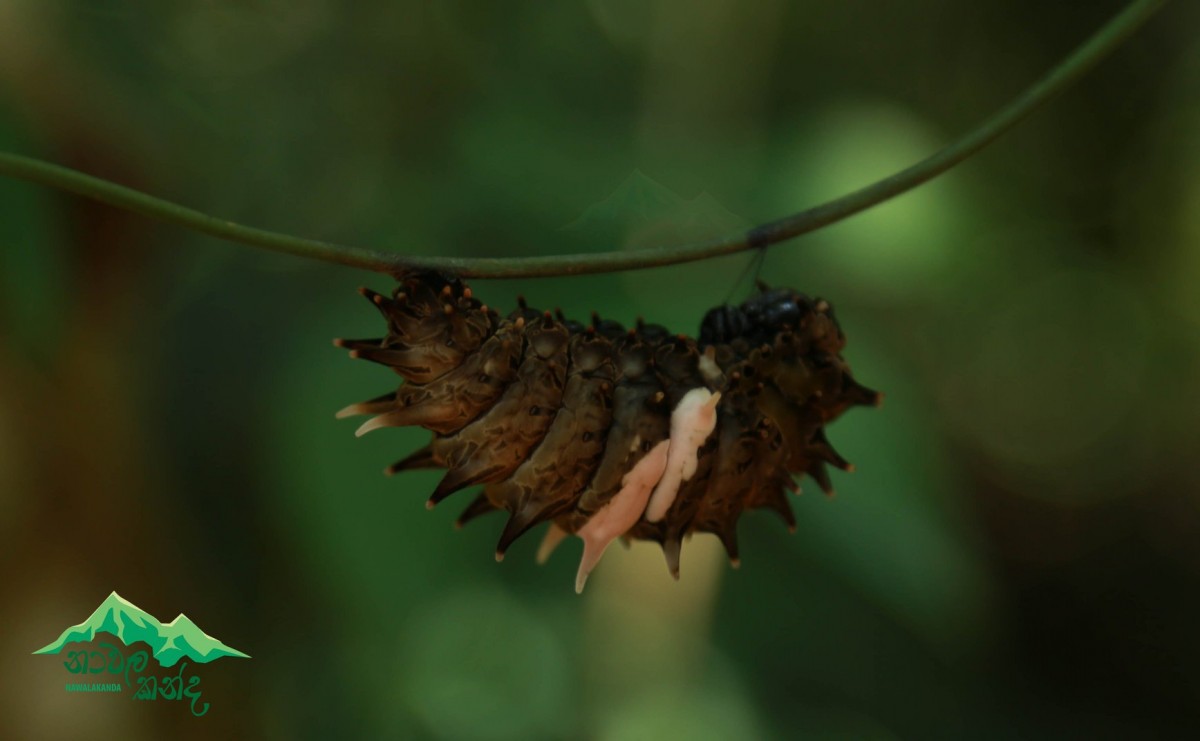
610	432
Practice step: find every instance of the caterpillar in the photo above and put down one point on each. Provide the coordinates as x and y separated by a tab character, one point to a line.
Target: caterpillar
608	432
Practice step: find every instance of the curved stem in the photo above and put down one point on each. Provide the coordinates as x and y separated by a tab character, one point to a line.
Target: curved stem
1058	79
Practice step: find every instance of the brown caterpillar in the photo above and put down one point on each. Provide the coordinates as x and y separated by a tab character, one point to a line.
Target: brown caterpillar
608	432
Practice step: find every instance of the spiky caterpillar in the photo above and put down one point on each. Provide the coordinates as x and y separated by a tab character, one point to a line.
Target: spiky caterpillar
608	432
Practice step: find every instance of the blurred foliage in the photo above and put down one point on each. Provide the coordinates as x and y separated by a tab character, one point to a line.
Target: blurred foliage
1015	557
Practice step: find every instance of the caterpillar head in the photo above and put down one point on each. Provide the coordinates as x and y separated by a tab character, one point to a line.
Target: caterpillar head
762	317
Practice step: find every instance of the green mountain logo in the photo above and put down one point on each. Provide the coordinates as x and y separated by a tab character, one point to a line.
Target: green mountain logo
642	211
169	642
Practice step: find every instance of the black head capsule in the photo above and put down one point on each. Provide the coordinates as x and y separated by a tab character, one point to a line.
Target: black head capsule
723	325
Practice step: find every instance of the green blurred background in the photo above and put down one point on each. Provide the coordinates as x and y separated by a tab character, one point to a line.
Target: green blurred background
1016	557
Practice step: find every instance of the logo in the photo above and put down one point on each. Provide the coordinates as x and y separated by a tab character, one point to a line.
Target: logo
164	670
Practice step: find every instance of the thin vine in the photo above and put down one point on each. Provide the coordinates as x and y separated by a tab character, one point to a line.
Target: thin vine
1078	63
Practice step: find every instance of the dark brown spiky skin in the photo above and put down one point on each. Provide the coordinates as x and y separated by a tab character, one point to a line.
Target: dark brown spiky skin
549	415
